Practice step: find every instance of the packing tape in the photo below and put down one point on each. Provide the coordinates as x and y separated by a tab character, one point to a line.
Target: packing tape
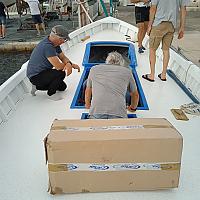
57	167
108	128
95	167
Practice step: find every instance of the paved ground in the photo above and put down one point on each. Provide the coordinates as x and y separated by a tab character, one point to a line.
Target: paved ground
189	45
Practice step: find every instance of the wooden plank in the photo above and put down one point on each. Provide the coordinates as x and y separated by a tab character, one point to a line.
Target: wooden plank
179	114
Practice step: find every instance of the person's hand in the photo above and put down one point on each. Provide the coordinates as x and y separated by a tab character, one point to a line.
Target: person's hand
180	33
87	105
131	109
75	66
68	69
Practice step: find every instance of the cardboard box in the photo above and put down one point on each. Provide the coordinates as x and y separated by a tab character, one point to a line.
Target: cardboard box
112	155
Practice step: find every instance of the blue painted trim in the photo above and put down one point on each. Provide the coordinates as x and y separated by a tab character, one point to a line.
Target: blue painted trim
130	46
75	99
132	55
85	115
182	86
133	63
143	100
131	115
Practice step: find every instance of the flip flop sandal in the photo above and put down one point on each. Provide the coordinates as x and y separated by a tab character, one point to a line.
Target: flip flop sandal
162	79
147	78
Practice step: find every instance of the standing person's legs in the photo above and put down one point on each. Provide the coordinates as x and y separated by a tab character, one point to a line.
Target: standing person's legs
166	43
0	31
69	11
141	33
152	60
156	36
38	29
50	80
3	26
37	21
43	27
140	23
166	57
145	14
3	31
142	18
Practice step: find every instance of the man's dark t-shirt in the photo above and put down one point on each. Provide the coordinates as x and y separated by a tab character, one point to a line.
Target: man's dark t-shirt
39	58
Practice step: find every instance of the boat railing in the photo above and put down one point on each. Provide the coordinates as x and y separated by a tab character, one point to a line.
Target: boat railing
12	92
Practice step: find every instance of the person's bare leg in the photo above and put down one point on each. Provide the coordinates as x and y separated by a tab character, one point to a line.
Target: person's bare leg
37	28
141	33
65	9
152	59
145	29
3	31
43	27
166	57
0	30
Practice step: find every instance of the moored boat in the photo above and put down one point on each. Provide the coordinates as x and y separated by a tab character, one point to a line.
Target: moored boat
25	120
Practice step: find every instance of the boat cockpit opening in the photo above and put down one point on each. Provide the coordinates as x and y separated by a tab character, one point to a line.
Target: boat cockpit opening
96	53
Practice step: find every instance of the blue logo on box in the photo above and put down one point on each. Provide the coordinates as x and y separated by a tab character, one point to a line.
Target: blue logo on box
71	167
127	166
99	167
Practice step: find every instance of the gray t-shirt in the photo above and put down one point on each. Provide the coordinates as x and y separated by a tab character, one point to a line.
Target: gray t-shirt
168	10
109	85
38	61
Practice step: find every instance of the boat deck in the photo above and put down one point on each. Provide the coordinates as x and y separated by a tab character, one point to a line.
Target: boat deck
24	174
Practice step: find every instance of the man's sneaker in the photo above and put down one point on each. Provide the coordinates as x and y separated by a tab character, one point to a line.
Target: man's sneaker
33	90
56	97
140	50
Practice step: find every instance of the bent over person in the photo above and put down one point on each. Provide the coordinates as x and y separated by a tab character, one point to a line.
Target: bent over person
47	64
107	86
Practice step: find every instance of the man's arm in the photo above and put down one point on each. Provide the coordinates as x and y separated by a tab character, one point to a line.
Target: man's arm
64	58
68	64
56	62
152	14
132	88
134	101
88	95
59	65
182	22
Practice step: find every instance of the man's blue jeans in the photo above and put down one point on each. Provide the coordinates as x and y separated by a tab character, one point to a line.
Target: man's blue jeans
103	116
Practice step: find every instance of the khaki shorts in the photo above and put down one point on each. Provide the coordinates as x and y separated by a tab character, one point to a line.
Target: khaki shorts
163	32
